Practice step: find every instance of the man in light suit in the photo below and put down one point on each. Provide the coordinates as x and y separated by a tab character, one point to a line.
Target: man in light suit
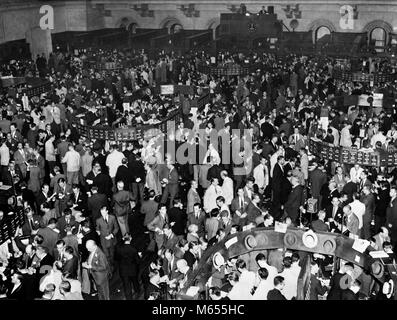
98	267
107	228
157	226
213	192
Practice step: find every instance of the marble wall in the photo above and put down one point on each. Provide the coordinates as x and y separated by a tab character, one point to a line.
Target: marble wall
85	15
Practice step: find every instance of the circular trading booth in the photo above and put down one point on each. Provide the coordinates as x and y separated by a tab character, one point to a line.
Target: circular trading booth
249	243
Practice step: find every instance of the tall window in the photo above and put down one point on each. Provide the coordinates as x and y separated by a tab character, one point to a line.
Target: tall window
321	32
378	37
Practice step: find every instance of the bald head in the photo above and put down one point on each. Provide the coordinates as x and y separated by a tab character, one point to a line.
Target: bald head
90	245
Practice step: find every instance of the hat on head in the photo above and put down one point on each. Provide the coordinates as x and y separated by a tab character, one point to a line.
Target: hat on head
388	288
218	260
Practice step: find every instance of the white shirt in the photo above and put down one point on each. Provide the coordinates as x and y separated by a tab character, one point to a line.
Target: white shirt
113	161
248	279
291	283
358	208
261	176
355	174
227	190
378	137
4	155
345	137
72	160
240	292
54	278
263	289
210	196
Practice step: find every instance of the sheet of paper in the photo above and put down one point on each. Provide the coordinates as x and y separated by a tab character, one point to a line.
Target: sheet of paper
230	242
280	227
192	291
378	254
360	245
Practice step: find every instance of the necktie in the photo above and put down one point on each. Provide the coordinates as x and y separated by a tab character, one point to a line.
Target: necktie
241	203
31	223
106	220
307	296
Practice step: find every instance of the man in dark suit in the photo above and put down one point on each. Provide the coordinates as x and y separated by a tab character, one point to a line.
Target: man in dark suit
156	226
382	201
100	179
368	218
335	291
12	177
128	260
177	218
267	128
171	187
78	198
333	192
98	268
138	177
319	224
197	218
253	210
391	216
46	260
295	200
67	221
87	233
124	174
71	262
44	195
316	288
121	206
352	292
17	289
275	294
50	235
334	211
317	178
31	224
349	188
95	203
278	183
149	208
107	228
170	239
239	207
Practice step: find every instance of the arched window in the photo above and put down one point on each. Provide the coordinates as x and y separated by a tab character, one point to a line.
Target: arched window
378	38
321	32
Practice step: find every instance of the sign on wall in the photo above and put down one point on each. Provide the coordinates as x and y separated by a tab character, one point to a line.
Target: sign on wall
347	16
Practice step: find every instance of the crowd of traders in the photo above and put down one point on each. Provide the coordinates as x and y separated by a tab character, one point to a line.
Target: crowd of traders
98	211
